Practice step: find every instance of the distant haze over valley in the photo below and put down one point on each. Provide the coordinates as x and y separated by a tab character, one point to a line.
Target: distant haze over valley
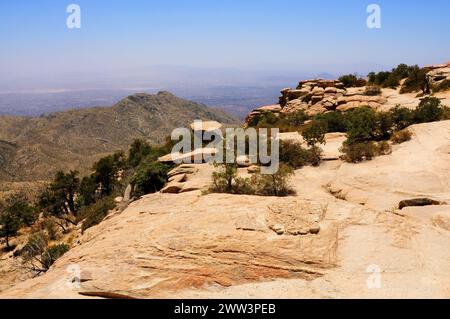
231	89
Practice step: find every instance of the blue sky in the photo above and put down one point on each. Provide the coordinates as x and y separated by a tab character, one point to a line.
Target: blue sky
327	35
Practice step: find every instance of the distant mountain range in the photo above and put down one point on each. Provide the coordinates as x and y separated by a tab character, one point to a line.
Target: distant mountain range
34	148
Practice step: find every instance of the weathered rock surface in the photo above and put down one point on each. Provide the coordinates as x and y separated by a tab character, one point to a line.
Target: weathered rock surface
416	169
190	245
438	74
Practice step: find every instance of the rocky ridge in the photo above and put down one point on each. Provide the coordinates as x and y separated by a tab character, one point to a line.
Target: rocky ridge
319	96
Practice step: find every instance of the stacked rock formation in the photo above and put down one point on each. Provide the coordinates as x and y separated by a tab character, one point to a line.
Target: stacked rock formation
319	96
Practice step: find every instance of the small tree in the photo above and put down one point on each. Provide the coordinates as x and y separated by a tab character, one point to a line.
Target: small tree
429	110
38	257
87	191
401	117
223	179
150	177
298	118
66	186
384	126
276	184
106	170
314	133
352	80
138	151
10	224
335	121
361	123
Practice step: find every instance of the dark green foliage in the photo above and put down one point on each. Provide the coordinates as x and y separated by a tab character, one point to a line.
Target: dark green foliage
335	121
150	177
392	81
227	181
58	199
372	90
361	123
314	132
138	151
352	80
378	78
294	155
430	109
18	205
88	191
297	118
106	171
358	152
416	80
384	126
52	254
15	213
402	117
10	224
275	184
284	122
392	78
95	213
223	180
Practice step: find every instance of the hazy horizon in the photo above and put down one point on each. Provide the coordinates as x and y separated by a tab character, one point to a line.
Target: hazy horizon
202	45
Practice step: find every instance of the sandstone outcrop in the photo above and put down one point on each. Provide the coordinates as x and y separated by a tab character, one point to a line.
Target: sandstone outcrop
438	74
324	242
316	97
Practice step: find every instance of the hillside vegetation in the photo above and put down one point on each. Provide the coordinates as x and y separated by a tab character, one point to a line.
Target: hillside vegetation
36	148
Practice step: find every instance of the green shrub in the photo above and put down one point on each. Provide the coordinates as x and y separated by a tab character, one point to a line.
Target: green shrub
36	245
392	78
38	256
275	184
223	180
226	181
358	152
430	109
52	254
289	122
87	191
138	151
416	80
445	113
401	136
95	213
372	90
393	81
297	119
150	177
50	228
314	132
335	121
361	123
106	170
352	80
294	155
384	126
402	117
10	224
